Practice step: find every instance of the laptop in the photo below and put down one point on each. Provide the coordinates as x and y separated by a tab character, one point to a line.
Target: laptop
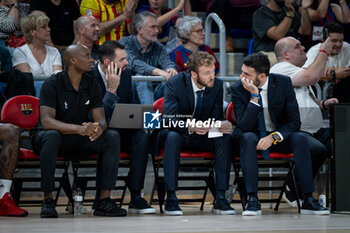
129	116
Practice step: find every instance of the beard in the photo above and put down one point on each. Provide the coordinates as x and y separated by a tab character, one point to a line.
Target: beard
209	84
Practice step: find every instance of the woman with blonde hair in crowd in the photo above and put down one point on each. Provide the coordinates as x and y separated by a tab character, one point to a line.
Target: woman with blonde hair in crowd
35	56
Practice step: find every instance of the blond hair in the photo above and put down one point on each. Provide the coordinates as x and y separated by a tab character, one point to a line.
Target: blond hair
33	21
199	59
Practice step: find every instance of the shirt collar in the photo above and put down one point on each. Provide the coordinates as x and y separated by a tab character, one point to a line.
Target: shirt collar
103	75
138	45
68	85
195	88
264	87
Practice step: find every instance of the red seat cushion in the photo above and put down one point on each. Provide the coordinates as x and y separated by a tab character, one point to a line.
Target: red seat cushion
273	155
191	154
123	155
25	154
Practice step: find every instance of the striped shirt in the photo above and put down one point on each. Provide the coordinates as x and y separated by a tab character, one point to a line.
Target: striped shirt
103	13
180	56
9	25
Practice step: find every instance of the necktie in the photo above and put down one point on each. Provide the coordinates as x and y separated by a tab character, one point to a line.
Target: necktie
197	111
262	128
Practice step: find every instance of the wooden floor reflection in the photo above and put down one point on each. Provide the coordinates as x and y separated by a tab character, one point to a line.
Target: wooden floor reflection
286	220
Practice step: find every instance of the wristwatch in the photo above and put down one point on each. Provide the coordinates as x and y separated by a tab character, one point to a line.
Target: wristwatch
333	75
275	138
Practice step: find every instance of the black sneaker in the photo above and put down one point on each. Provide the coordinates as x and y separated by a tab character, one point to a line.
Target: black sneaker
140	206
172	208
253	208
222	207
107	207
311	206
48	209
290	198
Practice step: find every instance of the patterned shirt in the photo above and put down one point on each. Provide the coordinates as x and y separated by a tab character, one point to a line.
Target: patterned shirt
103	13
163	35
9	25
180	57
144	63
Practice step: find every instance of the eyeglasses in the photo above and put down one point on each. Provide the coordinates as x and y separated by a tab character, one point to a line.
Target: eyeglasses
199	31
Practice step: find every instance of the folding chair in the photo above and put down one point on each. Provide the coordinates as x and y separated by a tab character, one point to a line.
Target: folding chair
275	160
188	159
90	162
23	111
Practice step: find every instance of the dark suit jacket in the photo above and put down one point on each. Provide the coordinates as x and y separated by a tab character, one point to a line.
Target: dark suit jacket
123	95
282	104
179	99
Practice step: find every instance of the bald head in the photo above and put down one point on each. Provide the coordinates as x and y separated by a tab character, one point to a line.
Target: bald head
282	45
78	57
290	50
73	51
81	21
87	29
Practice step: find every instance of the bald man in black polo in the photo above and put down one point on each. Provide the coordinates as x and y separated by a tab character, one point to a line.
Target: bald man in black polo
66	99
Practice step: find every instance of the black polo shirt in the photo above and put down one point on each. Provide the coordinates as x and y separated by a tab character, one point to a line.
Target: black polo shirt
71	106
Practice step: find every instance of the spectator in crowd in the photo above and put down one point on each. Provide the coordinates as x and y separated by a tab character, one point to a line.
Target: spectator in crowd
9	146
290	59
62	14
274	109
115	17
87	30
322	12
188	94
35	56
5	59
236	14
11	12
146	56
279	18
115	81
166	17
191	33
338	62
66	101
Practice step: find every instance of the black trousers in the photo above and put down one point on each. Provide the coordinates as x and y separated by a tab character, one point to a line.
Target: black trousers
296	143
135	142
173	143
50	143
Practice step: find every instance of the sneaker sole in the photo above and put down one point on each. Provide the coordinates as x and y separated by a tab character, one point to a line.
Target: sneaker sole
48	216
142	211
13	215
223	212
315	212
251	213
100	213
173	213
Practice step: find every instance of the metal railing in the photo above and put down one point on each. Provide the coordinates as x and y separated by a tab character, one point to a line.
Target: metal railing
138	78
222	38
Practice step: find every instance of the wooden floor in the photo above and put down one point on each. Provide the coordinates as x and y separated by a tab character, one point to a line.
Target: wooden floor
286	220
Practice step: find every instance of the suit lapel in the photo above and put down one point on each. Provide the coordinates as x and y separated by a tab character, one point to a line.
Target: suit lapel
189	91
271	96
96	74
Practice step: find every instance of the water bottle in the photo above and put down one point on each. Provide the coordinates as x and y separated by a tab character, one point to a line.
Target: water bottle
322	200
78	201
230	192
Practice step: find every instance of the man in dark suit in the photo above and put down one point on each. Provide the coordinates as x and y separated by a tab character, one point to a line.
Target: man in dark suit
115	81
269	120
196	94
